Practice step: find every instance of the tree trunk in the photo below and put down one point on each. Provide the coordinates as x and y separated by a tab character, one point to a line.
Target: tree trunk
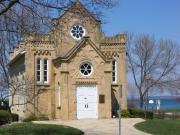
141	102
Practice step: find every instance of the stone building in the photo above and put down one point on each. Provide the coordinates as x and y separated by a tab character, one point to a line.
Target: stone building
73	72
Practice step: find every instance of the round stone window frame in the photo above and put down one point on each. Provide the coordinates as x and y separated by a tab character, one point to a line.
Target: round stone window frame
77	31
89	74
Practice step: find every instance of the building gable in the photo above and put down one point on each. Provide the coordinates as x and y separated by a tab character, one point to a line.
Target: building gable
76	48
78	8
77	15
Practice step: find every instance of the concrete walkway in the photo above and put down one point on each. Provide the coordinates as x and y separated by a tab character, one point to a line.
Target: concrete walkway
102	126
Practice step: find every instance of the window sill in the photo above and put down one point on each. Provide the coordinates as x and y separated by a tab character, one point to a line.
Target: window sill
114	84
43	84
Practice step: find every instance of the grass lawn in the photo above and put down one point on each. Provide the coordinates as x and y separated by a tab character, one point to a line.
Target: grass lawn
172	110
38	129
160	126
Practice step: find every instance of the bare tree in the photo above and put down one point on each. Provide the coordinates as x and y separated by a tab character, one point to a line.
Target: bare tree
21	92
4	74
61	5
154	64
22	87
19	16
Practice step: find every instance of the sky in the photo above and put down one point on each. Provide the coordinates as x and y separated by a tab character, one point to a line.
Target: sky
161	18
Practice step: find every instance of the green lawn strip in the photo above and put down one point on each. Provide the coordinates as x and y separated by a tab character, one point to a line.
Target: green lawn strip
172	110
38	129
160	126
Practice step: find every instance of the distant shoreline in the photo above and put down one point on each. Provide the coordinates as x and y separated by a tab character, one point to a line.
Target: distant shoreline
158	97
165	103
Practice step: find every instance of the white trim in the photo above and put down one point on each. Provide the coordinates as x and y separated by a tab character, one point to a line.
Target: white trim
23	52
41	69
59	95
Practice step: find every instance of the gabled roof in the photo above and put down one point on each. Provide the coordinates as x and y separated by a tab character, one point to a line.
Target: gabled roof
76	48
78	4
19	55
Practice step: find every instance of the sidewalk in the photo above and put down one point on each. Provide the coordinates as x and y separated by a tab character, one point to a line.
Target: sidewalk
102	126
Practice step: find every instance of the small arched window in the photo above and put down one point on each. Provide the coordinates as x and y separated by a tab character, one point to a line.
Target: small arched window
114	71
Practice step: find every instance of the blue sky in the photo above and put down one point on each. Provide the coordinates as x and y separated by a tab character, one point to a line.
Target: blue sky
158	17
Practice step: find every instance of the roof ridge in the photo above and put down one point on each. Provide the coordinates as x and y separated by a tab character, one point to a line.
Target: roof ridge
72	5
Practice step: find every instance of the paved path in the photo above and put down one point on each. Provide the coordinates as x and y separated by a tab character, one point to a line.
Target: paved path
102	126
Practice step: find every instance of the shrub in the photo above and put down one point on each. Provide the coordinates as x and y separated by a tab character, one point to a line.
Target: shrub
159	115
43	117
125	114
4	117
149	114
133	113
5	105
166	115
14	117
176	115
30	118
141	114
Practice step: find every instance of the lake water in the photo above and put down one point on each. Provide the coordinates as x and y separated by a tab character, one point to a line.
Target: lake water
169	103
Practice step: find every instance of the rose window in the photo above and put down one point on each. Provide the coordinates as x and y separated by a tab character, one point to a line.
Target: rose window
86	69
77	32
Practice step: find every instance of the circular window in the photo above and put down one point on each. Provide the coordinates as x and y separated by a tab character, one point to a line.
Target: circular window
86	69
77	32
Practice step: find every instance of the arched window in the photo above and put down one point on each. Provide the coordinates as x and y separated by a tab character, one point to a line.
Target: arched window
38	70
45	70
114	71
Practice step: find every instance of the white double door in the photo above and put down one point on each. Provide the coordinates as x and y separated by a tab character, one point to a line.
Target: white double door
87	101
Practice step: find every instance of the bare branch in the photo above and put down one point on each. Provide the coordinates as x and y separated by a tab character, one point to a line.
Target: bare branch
8	6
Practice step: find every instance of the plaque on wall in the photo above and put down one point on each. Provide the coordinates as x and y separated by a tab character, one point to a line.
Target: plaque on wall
101	99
